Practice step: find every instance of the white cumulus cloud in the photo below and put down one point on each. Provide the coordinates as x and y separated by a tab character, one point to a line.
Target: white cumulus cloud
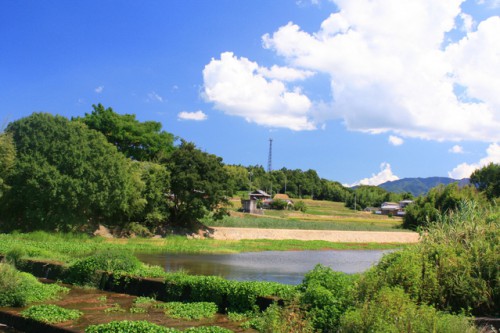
464	170
456	149
383	176
99	89
390	70
240	87
395	140
196	116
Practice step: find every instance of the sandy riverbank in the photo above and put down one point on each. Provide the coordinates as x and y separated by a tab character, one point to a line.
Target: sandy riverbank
224	233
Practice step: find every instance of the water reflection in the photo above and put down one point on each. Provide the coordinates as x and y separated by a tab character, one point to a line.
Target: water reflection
285	267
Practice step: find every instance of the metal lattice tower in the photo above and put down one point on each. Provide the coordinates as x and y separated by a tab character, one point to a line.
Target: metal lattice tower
270	158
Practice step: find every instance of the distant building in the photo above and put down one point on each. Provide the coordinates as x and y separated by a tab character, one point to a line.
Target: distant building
394	208
259	195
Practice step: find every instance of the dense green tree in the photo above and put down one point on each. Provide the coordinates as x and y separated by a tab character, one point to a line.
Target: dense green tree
238	177
67	176
156	179
198	185
333	191
367	196
7	159
487	180
440	199
142	141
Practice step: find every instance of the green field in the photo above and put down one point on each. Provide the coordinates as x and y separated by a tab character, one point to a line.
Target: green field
320	215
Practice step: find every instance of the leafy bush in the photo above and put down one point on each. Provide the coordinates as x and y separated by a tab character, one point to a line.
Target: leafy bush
300	206
440	200
83	271
277	319
196	310
14	255
140	326
279	204
454	267
392	310
49	313
326	296
20	289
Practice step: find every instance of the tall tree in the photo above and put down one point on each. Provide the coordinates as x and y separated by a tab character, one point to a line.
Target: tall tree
141	141
198	185
487	180
67	176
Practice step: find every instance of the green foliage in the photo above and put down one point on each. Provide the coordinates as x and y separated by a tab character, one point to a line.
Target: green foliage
141	141
126	326
14	255
454	267
392	311
279	204
65	177
51	314
441	199
487	180
371	196
19	289
326	296
84	271
277	319
7	160
300	206
198	185
189	311
229	295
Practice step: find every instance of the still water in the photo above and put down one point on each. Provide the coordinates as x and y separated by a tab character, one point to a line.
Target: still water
286	267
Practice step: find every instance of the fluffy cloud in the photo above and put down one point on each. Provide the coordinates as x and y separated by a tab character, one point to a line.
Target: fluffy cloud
390	70
99	89
456	149
196	116
383	176
464	170
240	87
395	140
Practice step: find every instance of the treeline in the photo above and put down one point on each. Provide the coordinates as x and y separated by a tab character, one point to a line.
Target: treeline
73	174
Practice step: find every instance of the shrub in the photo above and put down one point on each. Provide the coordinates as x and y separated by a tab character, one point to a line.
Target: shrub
326	296
279	204
49	313
454	268
140	326
83	271
277	319
20	289
14	255
392	310
300	206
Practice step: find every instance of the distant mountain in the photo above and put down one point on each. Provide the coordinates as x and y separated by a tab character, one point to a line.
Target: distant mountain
419	186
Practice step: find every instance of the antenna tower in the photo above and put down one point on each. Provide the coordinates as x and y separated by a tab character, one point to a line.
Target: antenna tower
270	158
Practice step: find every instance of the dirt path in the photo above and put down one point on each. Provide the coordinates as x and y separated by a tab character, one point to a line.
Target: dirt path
224	233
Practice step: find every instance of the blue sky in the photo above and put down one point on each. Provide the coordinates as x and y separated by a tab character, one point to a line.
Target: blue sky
360	91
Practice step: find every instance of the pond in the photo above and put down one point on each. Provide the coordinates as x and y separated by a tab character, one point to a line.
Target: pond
286	267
